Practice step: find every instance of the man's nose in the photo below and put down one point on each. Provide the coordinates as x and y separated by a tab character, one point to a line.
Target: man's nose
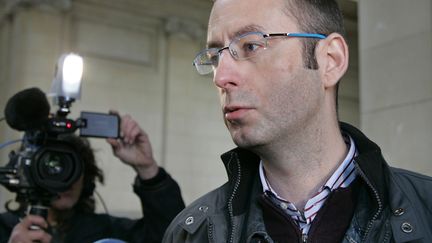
226	73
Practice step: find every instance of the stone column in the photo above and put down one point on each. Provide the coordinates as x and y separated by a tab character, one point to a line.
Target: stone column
396	80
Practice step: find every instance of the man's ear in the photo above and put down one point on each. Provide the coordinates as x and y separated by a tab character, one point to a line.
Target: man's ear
332	57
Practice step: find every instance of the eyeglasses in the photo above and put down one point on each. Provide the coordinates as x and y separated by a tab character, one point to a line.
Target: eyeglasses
241	48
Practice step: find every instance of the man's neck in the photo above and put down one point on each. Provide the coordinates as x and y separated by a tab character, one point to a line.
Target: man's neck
298	167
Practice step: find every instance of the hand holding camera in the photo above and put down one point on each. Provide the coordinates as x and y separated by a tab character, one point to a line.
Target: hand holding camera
22	232
134	148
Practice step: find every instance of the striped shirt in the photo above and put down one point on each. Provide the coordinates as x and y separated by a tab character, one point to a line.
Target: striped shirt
341	178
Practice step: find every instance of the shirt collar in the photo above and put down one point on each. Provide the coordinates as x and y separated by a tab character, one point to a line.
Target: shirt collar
341	177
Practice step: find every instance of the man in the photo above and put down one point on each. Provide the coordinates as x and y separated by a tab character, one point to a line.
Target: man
298	175
71	217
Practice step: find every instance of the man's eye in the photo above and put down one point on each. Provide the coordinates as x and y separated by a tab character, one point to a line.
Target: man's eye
252	46
214	59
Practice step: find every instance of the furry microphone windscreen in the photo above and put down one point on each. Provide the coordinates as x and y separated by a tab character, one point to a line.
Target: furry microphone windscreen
27	110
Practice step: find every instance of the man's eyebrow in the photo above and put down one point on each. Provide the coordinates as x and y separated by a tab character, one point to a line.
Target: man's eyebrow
246	29
241	31
214	44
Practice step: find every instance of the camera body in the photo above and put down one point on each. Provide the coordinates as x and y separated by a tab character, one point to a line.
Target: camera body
46	164
43	167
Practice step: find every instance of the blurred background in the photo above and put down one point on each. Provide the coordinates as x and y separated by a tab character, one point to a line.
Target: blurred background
138	60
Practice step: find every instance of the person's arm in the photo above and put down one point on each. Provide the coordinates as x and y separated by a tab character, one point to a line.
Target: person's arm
161	201
159	194
134	148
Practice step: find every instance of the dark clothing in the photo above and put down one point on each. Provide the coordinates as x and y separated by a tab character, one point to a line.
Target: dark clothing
392	205
160	199
337	209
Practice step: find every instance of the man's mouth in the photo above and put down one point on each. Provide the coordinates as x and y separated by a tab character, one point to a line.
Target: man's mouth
233	113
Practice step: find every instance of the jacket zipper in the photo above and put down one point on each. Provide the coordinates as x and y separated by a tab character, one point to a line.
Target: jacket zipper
369	226
304	238
230	201
210	232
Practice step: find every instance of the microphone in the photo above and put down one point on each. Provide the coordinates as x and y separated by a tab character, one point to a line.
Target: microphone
27	110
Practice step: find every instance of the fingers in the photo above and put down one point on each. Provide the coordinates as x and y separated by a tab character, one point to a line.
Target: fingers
113	142
22	232
39	236
34	220
130	132
130	129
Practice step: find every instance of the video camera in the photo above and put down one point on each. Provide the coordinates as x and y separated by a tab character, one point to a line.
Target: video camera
46	165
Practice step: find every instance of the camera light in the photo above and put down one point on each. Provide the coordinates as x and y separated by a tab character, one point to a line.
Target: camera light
72	73
68	76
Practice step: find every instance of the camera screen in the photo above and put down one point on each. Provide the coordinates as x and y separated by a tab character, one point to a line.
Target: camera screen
100	125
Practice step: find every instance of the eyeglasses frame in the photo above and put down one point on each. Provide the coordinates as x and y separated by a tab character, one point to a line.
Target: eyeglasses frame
220	50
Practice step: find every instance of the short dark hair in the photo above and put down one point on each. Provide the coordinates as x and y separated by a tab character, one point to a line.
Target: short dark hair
315	16
92	173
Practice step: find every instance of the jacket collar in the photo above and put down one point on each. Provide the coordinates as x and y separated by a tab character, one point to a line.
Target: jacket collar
372	167
242	167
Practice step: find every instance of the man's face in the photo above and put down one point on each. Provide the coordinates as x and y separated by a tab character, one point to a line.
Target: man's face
272	95
69	198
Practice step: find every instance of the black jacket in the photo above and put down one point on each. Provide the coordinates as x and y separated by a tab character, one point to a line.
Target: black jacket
161	201
393	205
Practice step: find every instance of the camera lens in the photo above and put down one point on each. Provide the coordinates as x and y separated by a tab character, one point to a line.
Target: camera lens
53	163
56	166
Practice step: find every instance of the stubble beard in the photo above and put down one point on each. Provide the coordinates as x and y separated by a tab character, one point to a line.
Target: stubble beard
247	136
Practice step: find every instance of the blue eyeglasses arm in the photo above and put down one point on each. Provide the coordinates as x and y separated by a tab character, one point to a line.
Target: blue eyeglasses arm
306	35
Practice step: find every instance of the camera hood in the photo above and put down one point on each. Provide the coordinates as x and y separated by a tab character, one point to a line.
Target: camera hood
56	166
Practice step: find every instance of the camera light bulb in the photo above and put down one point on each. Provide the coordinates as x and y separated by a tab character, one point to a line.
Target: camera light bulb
72	73
67	80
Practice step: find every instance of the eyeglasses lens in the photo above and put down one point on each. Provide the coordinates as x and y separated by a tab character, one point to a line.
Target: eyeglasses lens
243	47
